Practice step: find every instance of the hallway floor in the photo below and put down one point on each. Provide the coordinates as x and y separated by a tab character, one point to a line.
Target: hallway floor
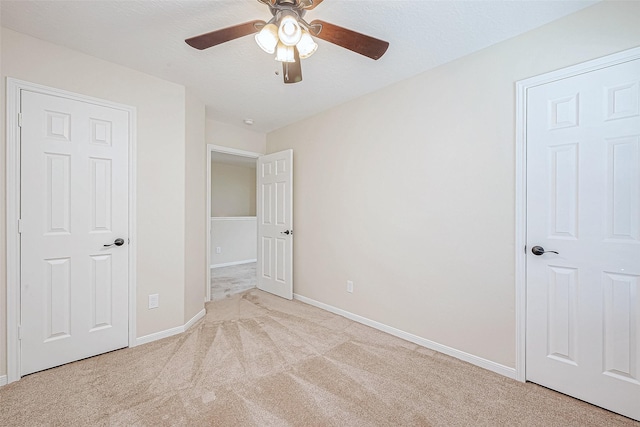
227	281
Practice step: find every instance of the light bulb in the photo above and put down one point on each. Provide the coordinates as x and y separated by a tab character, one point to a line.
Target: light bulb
267	38
289	31
285	53
306	46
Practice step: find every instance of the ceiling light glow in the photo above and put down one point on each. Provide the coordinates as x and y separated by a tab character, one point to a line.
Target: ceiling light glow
306	46
285	53
284	36
267	38
289	31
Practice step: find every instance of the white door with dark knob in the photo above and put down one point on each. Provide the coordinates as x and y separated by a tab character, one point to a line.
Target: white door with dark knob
74	214
583	237
275	222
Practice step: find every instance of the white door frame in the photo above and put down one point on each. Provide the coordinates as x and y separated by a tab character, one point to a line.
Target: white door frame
226	150
14	86
521	184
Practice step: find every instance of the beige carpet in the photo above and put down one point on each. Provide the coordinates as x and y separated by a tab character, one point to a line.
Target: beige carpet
258	360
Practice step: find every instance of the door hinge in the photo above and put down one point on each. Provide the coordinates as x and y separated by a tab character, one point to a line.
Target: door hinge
19	332
20	226
20	119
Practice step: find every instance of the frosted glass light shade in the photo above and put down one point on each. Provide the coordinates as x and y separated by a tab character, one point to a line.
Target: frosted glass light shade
289	31
306	46
267	38
285	53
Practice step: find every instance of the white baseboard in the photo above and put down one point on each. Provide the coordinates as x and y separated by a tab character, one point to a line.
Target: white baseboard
151	337
474	360
199	315
170	332
159	335
228	264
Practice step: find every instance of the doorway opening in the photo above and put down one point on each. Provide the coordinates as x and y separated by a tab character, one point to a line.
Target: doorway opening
232	237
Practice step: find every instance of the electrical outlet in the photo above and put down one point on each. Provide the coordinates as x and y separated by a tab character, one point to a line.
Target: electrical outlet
218	250
154	300
349	286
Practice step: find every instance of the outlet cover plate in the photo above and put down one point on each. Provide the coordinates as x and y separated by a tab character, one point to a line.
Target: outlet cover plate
154	300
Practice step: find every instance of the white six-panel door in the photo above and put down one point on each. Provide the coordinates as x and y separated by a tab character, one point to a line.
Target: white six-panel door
583	201
275	222
74	200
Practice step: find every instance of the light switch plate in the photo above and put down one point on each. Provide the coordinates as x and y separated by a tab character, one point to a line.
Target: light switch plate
154	300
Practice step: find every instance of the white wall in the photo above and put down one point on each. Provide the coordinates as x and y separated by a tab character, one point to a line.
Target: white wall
241	138
171	133
160	164
413	188
233	190
236	237
195	262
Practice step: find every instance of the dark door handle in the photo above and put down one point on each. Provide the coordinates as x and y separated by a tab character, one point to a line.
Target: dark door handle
117	242
286	232
539	250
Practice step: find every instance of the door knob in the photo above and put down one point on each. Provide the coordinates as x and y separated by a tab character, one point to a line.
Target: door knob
539	250
286	232
117	242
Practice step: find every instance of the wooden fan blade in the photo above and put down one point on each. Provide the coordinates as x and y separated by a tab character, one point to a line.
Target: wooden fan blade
204	41
349	39
292	71
310	4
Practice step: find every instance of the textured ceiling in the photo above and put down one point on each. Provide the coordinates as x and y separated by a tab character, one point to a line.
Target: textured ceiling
237	80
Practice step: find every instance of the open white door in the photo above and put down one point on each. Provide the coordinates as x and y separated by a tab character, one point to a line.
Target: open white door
583	237
275	223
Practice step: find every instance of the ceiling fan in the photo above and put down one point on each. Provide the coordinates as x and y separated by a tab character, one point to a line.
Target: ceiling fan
289	36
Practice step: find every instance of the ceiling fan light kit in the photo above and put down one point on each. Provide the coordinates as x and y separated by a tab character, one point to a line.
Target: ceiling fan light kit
285	53
281	39
289	31
267	38
288	35
306	46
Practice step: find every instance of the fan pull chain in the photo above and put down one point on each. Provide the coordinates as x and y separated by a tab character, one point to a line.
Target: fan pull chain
286	71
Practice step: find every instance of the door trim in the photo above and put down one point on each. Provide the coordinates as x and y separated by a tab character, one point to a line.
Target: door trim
522	87
14	86
219	149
